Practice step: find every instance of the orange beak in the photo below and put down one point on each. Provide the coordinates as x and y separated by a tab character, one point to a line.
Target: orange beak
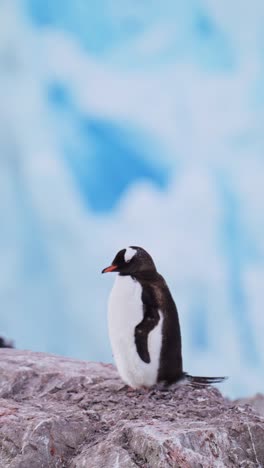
109	269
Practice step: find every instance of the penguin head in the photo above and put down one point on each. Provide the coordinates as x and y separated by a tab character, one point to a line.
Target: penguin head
130	261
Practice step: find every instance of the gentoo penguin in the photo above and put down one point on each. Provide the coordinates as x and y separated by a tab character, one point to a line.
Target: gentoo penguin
143	324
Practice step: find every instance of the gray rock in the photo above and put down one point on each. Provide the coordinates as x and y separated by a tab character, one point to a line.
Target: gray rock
256	402
4	343
58	412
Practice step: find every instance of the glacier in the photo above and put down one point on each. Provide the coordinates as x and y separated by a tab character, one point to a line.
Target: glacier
125	125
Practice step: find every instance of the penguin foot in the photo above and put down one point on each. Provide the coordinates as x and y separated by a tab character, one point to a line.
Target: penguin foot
132	390
161	387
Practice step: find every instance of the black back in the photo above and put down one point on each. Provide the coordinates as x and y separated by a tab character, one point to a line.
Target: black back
156	297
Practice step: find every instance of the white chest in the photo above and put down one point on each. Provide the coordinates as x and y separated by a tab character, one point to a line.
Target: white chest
125	312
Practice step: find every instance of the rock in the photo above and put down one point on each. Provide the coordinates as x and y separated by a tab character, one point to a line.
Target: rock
59	412
256	402
5	343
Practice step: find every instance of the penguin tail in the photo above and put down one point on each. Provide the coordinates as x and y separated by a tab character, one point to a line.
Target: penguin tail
204	381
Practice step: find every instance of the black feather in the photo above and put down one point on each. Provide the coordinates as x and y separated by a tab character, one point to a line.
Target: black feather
149	322
204	381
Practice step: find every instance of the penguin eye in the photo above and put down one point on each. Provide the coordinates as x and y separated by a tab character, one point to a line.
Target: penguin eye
129	254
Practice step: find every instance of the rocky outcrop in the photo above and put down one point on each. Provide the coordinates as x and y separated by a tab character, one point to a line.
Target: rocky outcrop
256	402
58	412
5	343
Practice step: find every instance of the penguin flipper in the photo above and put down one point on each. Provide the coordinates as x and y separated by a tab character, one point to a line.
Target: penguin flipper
149	322
203	381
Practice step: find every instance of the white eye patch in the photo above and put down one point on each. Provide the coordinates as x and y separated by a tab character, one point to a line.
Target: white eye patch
129	254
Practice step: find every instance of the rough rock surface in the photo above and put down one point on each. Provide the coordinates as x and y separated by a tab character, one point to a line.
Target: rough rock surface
256	402
58	412
6	343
